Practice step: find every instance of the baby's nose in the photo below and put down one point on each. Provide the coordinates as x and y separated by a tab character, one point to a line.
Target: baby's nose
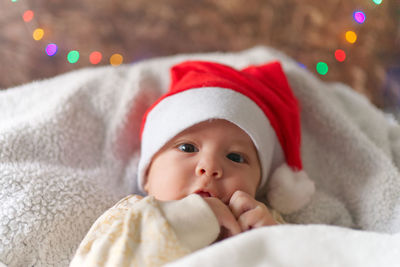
209	168
207	172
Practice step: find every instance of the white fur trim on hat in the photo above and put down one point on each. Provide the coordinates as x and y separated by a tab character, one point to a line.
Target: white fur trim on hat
289	191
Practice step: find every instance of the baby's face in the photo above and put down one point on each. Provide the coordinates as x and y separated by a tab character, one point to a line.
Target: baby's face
213	158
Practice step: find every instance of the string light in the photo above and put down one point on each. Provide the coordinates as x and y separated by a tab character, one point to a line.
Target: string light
340	55
359	17
51	49
38	34
322	68
95	57
351	37
28	15
73	56
116	59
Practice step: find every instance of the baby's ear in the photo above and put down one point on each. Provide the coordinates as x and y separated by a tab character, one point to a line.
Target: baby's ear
145	182
145	188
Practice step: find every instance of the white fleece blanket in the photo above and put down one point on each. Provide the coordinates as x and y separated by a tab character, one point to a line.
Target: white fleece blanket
69	148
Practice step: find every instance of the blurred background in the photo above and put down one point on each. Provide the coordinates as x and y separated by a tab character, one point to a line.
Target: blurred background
356	42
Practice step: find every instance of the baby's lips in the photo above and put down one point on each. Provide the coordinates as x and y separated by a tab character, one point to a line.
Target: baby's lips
203	194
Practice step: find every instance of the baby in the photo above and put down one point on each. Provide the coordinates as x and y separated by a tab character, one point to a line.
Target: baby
217	141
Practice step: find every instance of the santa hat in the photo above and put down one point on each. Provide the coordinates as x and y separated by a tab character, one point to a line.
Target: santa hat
258	99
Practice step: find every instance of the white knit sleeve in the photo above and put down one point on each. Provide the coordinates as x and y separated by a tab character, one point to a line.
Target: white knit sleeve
193	221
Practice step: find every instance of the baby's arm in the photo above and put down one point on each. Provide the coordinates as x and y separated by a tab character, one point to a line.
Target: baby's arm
148	232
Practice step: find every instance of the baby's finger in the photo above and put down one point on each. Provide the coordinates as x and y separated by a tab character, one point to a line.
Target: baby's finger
255	218
231	225
241	202
226	219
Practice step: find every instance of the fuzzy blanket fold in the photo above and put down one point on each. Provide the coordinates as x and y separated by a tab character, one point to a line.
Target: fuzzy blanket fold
69	147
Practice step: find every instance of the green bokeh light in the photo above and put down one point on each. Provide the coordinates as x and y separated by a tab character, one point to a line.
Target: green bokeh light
73	56
378	2
322	68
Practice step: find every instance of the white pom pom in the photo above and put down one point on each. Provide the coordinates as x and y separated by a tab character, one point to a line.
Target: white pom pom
289	191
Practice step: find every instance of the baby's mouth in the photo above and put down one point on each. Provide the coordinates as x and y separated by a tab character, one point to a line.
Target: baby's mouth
203	194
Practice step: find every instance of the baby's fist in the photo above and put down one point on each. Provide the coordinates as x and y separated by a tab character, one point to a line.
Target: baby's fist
229	225
249	212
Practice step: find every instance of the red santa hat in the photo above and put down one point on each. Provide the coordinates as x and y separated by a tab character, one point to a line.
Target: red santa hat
258	99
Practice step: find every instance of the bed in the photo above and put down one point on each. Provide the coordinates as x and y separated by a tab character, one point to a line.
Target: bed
69	148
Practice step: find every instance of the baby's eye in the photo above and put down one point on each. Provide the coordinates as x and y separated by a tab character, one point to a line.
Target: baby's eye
188	148
236	157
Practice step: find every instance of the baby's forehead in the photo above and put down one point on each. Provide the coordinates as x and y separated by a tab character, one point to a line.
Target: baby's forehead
219	129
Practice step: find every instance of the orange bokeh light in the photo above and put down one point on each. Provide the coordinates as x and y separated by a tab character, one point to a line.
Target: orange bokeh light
116	59
351	37
38	34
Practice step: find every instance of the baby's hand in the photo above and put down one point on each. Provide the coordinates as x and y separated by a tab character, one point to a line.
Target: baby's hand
249	212
228	223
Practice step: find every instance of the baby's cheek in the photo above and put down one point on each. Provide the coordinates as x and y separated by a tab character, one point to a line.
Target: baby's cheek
230	189
174	190
246	180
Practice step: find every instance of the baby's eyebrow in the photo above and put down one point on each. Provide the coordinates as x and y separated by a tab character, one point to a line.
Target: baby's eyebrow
181	138
240	142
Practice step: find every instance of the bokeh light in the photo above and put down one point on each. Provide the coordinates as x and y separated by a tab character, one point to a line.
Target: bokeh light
378	2
116	59
95	57
359	16
38	34
28	15
322	68
302	65
351	37
340	55
73	56
14	0
51	49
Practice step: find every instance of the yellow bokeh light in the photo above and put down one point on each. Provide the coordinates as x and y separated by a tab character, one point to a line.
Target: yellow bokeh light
38	34
351	37
116	59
